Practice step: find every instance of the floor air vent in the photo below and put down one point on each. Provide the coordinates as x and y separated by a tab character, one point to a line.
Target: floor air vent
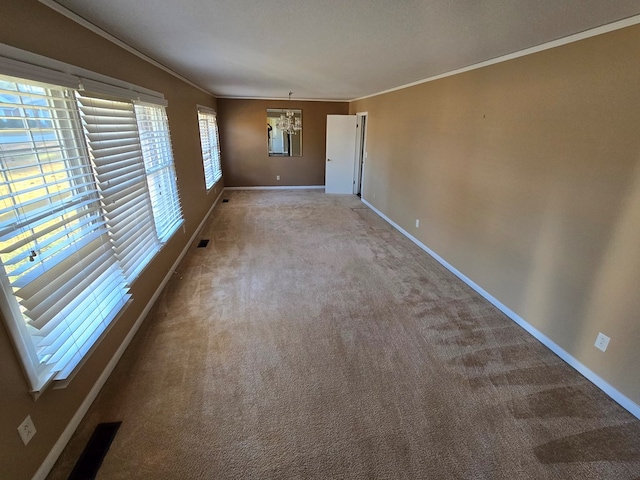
95	451
203	243
225	200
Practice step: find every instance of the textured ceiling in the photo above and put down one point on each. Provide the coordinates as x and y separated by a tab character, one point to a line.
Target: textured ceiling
335	49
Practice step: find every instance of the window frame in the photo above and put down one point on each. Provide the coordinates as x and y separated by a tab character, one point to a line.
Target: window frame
211	157
160	169
60	300
98	116
35	68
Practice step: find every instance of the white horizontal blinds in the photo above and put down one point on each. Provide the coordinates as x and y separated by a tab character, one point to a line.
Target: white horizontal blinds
74	303
215	150
205	142
54	245
210	147
114	146
153	128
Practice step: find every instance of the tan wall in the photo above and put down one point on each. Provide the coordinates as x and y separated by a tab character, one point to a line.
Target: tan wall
31	26
525	176
243	142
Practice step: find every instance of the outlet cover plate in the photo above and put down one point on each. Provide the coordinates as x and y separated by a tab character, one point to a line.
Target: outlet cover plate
602	342
27	430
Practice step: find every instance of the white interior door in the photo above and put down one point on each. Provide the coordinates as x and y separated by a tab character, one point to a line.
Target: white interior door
341	152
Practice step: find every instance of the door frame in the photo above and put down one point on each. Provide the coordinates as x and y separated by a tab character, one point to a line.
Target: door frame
362	121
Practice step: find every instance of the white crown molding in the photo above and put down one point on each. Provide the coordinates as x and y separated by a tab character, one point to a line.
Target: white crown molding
610	27
229	97
97	30
538	48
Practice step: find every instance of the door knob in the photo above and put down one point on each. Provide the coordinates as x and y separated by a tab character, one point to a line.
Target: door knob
328	159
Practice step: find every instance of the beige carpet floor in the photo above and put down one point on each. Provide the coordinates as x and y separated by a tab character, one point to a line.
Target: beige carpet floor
311	340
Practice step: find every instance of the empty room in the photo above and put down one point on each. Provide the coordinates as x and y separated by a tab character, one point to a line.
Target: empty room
329	240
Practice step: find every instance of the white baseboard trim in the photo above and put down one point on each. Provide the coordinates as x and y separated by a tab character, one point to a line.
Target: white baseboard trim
284	187
58	447
612	392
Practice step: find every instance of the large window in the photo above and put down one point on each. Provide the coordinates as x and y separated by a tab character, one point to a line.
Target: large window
87	197
210	146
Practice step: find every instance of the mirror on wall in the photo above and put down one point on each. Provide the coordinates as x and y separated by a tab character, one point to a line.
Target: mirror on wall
279	142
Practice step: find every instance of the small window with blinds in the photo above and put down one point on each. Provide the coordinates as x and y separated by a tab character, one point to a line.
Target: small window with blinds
210	144
153	128
88	196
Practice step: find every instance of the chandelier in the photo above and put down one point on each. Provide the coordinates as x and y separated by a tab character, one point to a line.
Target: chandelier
289	123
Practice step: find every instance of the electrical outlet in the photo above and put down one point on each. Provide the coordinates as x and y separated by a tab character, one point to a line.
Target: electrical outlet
277	177
602	342
417	223
27	430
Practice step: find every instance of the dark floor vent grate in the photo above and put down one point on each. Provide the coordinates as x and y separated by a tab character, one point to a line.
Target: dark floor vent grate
225	200
89	462
203	243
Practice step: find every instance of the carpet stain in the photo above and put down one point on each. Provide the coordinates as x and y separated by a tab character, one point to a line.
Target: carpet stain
619	443
465	339
455	324
555	403
504	354
371	219
535	375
